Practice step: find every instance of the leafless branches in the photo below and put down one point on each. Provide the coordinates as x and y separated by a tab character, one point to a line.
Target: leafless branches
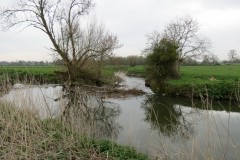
74	41
183	32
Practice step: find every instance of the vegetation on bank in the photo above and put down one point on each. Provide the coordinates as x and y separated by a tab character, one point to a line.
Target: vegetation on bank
40	74
25	136
220	82
56	74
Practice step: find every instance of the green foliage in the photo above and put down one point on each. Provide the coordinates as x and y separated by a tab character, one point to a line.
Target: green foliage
160	64
117	151
219	90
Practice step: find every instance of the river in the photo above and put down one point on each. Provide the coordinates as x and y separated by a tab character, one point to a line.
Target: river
162	127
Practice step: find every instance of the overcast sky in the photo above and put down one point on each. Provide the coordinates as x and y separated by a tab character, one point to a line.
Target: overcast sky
131	20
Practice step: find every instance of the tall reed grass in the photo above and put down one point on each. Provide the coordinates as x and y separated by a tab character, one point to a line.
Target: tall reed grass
79	130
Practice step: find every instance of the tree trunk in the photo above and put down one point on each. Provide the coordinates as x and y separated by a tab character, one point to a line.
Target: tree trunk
176	69
72	73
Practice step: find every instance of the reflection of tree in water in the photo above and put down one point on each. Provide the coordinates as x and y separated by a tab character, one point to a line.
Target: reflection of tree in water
165	116
91	115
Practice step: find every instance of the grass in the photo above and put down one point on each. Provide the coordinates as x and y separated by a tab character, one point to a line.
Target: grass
218	82
31	69
25	136
44	74
207	74
138	71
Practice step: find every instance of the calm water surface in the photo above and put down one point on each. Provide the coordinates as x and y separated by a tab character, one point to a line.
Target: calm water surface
178	128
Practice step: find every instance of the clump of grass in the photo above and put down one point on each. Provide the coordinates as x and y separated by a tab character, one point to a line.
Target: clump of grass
24	136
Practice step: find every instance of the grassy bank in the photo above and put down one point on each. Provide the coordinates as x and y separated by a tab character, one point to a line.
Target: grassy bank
220	82
25	136
42	74
50	74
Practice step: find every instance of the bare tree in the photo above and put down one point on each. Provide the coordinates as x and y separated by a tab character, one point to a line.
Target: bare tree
184	33
233	55
210	59
64	22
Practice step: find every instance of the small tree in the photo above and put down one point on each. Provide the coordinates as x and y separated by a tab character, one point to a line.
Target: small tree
184	33
160	64
74	41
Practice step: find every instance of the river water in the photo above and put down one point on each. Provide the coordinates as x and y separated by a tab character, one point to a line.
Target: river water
160	126
177	127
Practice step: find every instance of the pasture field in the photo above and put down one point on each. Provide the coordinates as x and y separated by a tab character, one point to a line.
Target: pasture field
30	69
218	82
208	74
195	74
43	74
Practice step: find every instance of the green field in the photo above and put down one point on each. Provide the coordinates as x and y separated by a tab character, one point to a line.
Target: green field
30	69
189	74
219	82
25	73
197	74
207	74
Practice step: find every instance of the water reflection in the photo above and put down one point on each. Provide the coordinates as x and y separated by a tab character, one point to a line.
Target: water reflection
171	116
165	116
86	113
201	127
91	115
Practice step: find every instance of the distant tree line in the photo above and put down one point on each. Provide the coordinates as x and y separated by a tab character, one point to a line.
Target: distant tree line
133	60
129	60
212	59
26	63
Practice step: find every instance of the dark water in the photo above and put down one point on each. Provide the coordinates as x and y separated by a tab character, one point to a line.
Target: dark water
162	127
179	128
